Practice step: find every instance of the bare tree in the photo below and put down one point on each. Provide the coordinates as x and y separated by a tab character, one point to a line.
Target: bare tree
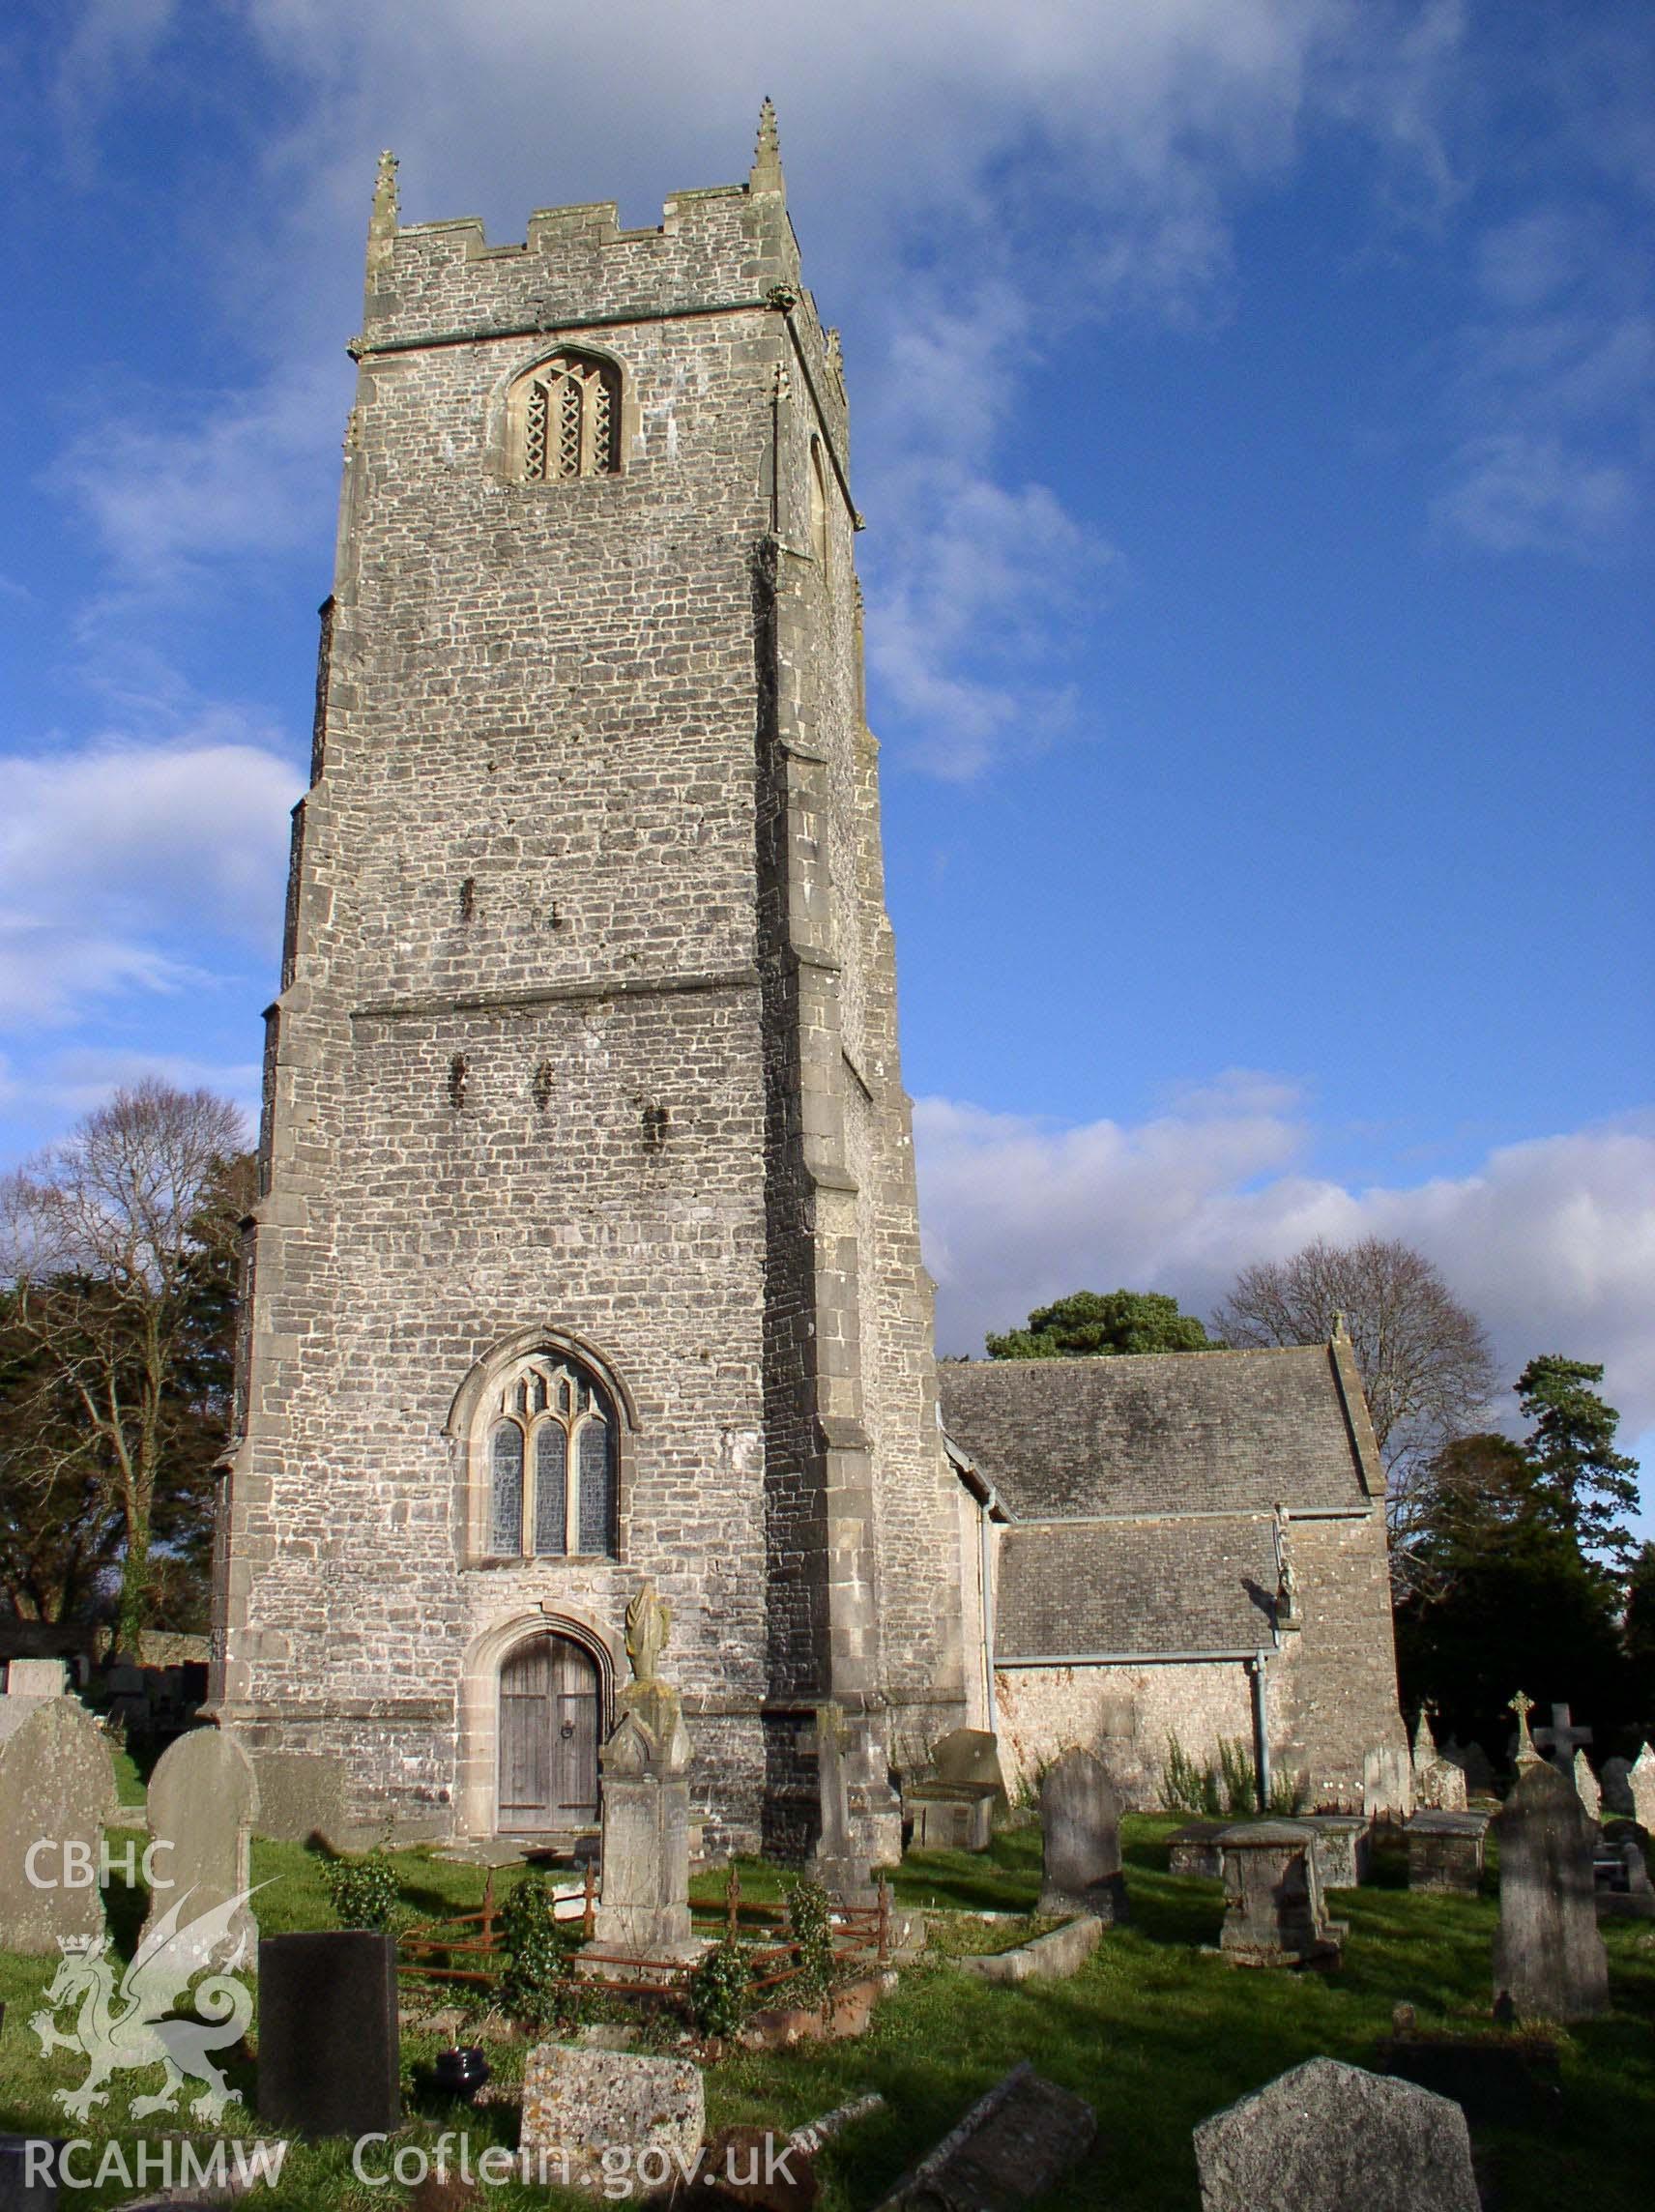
1426	1362
107	1240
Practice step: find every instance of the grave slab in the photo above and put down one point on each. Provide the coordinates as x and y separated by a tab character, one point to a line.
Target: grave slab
1013	2145
578	2104
1445	1850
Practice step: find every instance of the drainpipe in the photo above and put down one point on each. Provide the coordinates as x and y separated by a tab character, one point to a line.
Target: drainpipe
985	1549
1260	1726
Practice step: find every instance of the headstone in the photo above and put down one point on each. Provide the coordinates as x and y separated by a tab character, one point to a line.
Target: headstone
1445	1850
1561	1740
1387	1783
302	1793
1273	1909
1620	1873
1080	1825
968	1756
1615	1784
579	2105
1586	1785
15	1712
1344	1847
202	1803
57	1792
1549	1958
1641	1783
1013	2145
1194	1850
645	1907
37	1678
1479	1770
328	2044
1330	2138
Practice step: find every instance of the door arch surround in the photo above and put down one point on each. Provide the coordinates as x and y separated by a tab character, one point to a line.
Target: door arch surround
548	1729
478	1776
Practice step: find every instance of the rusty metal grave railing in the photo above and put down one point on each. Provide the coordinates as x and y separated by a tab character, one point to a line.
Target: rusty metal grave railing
466	1949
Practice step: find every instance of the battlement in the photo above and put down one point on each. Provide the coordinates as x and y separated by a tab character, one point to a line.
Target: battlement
720	246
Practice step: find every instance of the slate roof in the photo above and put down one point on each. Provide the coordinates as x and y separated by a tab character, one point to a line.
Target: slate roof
1166	1433
1069	1590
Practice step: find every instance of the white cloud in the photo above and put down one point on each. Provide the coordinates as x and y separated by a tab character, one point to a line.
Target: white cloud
1552	1242
79	1080
1516	491
119	859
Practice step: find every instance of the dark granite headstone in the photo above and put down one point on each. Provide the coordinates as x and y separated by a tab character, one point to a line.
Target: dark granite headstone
330	2056
1080	1821
1549	1958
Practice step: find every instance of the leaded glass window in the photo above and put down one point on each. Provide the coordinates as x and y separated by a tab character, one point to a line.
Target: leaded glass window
570	418
553	1463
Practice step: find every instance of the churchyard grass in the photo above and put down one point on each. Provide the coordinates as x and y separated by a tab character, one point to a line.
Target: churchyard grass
1155	2031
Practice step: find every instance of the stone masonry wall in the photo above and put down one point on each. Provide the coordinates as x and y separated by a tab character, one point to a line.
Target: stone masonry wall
560	1045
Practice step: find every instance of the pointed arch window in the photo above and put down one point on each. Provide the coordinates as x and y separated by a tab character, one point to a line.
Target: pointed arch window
553	1451
568	419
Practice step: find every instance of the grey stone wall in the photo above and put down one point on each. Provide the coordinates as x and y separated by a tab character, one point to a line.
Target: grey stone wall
586	952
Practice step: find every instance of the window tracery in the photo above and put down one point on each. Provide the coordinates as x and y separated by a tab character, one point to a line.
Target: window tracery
569	419
552	1460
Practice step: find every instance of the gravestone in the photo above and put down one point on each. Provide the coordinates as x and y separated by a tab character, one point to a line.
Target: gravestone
57	1795
202	1803
1549	1958
37	1678
1011	2146
1615	1784
15	1712
1445	1850
1196	1849
1344	1848
1586	1785
1560	1742
580	2104
1080	1829
1641	1783
1330	2138
1387	1783
952	1807
1621	1874
1273	1909
329	2044
302	1793
644	1897
1478	1768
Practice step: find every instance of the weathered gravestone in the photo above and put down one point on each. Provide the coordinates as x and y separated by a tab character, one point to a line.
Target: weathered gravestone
1344	1848
328	2048
1641	1783
1621	1874
1273	1909
952	1807
1586	1785
1011	2146
580	2105
1387	1783
645	1907
57	1795
1330	2138
37	1678
202	1803
1615	1784
1549	1958
1080	1827
1445	1850
1194	1850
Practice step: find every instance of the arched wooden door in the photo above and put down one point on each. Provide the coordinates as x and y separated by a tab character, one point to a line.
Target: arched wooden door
549	1700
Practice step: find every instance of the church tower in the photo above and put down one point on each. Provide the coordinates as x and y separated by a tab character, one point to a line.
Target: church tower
587	1251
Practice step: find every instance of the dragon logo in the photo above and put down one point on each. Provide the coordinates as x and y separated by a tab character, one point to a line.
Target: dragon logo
118	2030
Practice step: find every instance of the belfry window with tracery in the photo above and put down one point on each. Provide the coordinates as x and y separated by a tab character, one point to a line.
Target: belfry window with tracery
552	1463
569	412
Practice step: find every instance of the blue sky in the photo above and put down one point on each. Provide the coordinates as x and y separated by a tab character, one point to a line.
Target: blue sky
1251	416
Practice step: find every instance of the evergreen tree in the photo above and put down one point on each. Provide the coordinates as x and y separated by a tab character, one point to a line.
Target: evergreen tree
1091	1324
1584	1484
